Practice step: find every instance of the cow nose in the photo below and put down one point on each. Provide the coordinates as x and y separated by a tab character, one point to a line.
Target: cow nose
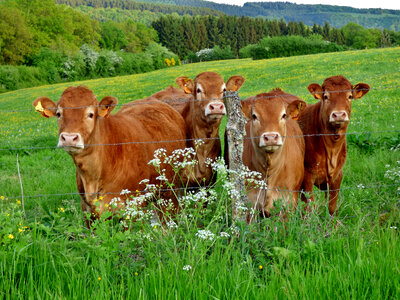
215	108
339	116
69	138
271	138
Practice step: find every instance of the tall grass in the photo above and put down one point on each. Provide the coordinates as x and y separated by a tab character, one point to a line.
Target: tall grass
49	253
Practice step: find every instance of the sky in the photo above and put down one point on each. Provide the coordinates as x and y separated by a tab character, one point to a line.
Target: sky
389	4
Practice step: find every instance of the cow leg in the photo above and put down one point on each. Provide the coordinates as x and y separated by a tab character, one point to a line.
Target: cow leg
307	187
84	206
334	187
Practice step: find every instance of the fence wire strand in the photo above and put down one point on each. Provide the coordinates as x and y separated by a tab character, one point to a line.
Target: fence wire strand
358	187
186	100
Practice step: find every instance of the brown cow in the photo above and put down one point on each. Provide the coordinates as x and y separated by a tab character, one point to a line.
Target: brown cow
274	147
111	152
324	125
203	116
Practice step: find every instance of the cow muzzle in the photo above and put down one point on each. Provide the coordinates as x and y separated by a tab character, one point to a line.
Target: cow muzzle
71	142
270	141
338	117
215	109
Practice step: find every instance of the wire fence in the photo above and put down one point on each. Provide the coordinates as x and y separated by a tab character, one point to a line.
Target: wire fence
186	100
199	139
151	100
358	187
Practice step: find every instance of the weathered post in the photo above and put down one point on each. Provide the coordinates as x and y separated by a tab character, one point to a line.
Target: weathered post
234	133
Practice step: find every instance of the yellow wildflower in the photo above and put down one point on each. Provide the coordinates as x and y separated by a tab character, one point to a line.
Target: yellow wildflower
2	197
99	278
260	267
62	209
18	202
10	236
136	273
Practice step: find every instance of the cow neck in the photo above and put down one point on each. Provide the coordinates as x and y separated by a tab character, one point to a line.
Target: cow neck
197	128
334	141
271	163
88	162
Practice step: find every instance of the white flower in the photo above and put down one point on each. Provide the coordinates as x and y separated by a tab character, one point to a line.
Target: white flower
205	235
172	225
125	192
187	268
224	234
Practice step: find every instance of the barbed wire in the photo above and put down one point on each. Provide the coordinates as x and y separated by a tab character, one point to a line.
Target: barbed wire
148	100
358	187
198	139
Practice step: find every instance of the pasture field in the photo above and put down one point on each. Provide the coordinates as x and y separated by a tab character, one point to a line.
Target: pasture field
46	251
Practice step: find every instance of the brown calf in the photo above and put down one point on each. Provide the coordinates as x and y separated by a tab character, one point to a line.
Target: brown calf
203	116
274	147
324	125
111	152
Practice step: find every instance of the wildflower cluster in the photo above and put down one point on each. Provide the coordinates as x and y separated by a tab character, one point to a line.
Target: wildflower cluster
394	173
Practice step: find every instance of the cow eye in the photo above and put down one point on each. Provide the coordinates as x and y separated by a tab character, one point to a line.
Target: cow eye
326	97
254	116
58	114
91	115
198	91
284	116
350	97
224	90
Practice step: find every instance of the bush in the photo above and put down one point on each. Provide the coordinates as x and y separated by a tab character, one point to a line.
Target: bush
285	46
50	62
18	77
159	53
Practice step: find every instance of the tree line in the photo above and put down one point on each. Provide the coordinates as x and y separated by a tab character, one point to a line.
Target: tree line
186	34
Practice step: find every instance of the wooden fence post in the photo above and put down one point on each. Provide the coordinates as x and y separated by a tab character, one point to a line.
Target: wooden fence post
234	133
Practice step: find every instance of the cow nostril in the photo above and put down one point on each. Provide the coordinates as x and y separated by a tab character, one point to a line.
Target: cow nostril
212	107
75	138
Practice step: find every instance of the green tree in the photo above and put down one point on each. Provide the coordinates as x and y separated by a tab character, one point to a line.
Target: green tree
112	37
16	40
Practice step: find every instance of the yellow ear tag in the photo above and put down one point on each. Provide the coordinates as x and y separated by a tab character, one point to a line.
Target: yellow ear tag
39	107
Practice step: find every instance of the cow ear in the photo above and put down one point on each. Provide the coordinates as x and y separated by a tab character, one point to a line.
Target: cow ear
293	110
246	108
106	105
316	90
360	89
45	106
234	83
186	84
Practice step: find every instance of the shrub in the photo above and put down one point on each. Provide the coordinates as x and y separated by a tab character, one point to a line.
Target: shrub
18	77
285	46
159	53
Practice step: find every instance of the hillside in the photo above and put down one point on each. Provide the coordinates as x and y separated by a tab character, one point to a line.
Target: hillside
336	16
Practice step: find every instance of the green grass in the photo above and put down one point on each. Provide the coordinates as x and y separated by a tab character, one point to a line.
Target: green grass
52	254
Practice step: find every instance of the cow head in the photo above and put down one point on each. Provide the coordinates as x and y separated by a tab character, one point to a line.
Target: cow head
268	116
209	88
336	95
77	112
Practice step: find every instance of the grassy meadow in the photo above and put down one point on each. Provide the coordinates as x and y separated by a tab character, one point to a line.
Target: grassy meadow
47	252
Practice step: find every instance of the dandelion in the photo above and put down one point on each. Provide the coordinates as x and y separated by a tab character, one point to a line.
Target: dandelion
10	236
136	273
99	278
2	197
61	209
18	202
187	268
260	267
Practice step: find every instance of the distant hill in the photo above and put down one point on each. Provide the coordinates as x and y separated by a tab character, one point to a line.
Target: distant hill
336	16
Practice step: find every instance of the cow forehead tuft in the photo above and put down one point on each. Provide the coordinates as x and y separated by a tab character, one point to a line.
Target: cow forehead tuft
77	96
336	83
